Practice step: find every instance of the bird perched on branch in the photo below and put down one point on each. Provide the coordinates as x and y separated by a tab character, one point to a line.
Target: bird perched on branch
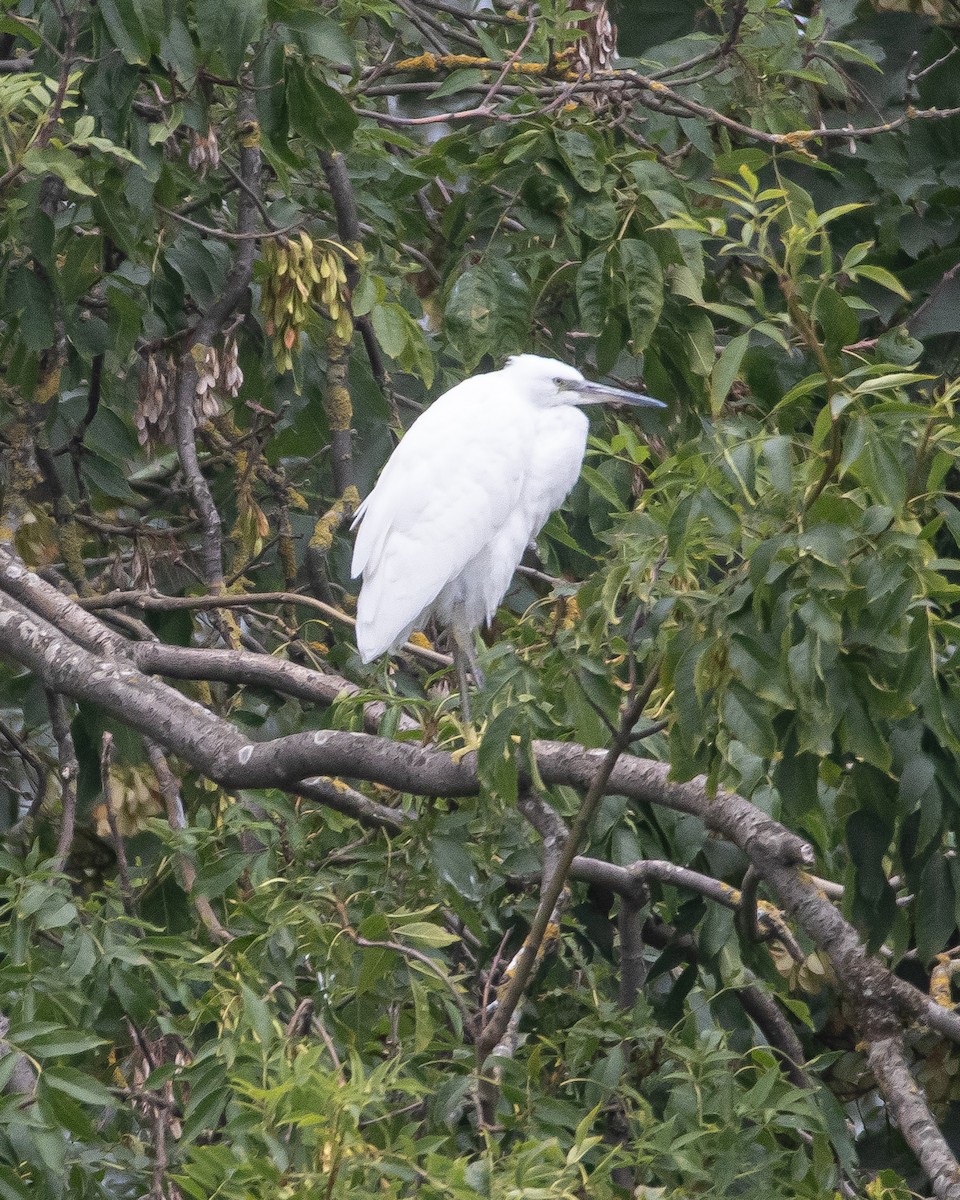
464	493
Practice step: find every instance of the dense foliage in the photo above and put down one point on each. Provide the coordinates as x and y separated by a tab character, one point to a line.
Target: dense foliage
242	245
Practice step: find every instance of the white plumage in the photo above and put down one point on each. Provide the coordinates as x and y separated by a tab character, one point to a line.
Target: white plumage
465	492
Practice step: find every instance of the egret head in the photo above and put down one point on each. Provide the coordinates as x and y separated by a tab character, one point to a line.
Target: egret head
548	382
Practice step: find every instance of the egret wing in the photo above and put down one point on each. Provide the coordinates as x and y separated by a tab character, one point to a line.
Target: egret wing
447	490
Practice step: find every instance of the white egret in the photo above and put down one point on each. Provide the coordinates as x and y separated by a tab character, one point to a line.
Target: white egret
468	488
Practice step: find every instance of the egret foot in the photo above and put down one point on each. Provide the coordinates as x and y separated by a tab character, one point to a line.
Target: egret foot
471	742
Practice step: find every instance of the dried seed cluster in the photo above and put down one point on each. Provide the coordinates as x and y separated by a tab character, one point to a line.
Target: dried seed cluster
204	152
218	375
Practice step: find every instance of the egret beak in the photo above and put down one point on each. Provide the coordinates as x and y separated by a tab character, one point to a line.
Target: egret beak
600	393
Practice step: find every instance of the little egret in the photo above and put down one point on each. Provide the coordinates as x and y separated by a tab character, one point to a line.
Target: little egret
468	488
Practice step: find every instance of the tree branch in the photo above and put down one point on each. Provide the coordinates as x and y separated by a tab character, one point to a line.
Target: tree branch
554	885
219	750
69	769
348	229
909	1108
203	334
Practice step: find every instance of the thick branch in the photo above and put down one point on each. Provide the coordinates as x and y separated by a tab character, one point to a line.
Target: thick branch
242	667
909	1108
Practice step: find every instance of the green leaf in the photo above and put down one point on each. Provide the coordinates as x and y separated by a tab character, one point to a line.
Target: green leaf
467	78
895	379
30	300
320	36
936	905
805	387
455	866
488	311
726	371
599	483
318	113
13	1187
852	54
593	293
778	455
424	1029
642	278
390	328
427	934
108	477
124	22
53	1041
216	877
584	155
833	214
228	39
61	163
882	276
79	1086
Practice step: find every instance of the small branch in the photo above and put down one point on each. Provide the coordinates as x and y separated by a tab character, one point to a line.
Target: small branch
176	818
69	769
153	601
747	917
633	962
35	764
760	1007
497	1027
766	923
348	229
242	667
554	833
106	786
225	235
211	324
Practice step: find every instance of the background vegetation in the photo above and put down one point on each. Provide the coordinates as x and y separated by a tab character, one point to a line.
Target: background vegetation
269	926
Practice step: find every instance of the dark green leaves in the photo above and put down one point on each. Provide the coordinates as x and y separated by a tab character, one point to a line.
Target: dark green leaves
225	36
487	311
317	112
620	296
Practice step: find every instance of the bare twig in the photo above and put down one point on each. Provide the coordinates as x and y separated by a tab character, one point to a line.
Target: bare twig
507	1003
348	229
68	771
224	235
176	818
106	785
153	601
234	292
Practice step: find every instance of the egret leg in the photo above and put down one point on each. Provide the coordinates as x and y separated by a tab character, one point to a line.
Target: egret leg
463	683
464	657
